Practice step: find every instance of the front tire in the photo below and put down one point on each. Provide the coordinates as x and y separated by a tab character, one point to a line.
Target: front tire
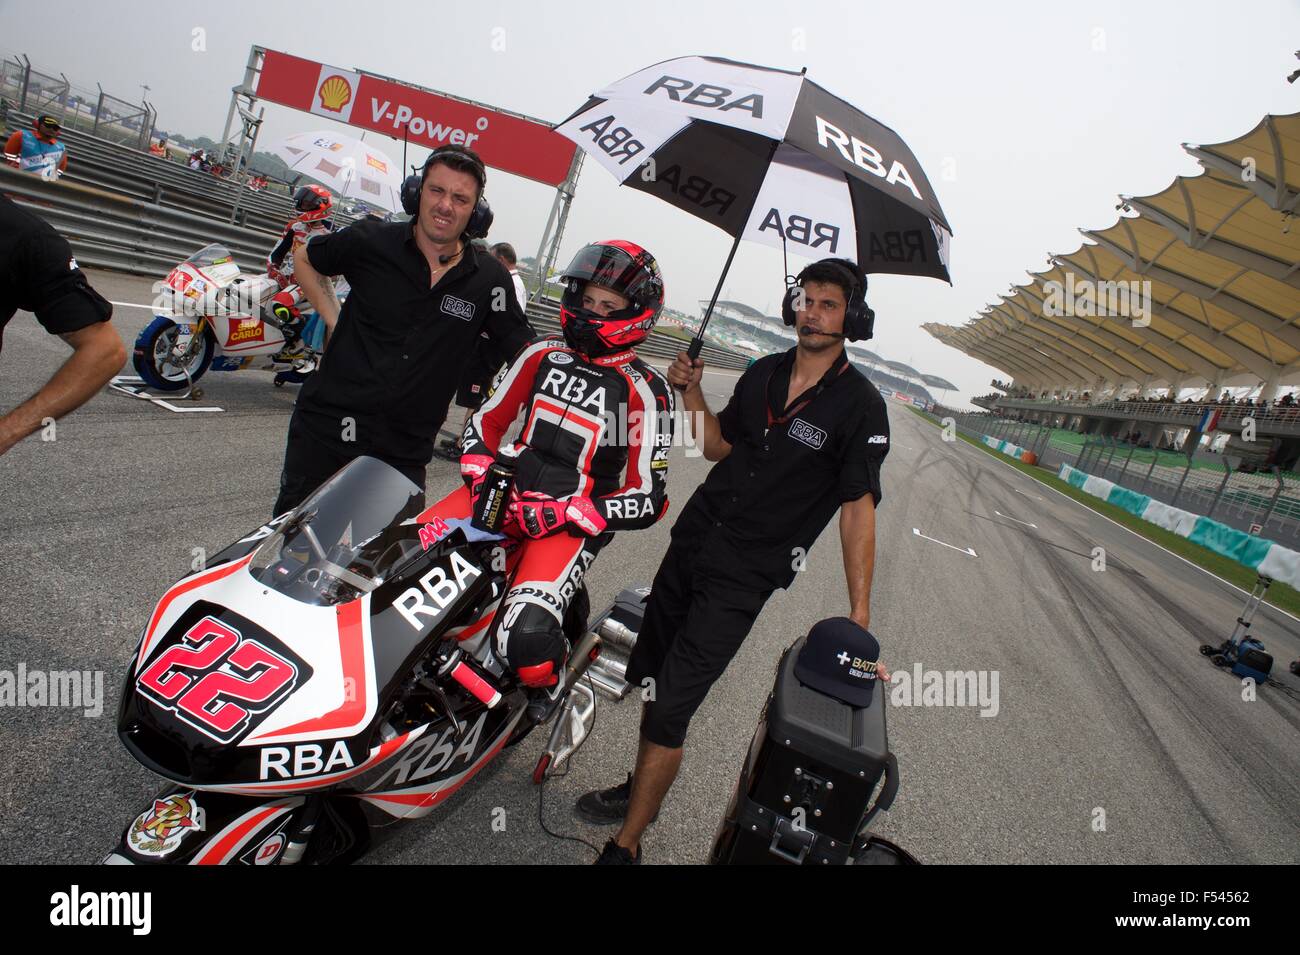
154	358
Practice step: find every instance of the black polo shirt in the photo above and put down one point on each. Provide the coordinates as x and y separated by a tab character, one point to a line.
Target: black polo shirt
397	352
38	274
759	511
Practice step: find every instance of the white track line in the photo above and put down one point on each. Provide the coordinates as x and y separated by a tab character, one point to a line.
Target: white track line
1017	520
961	550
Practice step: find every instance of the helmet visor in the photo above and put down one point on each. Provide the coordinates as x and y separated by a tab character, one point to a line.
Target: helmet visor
307	200
611	267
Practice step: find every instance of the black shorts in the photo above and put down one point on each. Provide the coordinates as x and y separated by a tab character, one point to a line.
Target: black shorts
693	626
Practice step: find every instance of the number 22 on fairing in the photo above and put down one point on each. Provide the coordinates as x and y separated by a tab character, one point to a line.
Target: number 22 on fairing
208	702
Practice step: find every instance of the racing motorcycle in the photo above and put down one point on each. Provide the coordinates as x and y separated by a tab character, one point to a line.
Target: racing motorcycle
210	316
328	676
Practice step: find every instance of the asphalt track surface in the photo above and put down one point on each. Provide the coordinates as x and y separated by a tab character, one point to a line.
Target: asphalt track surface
1104	703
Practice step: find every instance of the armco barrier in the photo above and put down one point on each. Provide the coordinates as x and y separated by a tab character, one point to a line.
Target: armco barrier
1258	553
129	235
129	172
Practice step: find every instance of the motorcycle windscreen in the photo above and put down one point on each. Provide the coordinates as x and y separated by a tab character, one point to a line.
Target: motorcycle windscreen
344	540
216	262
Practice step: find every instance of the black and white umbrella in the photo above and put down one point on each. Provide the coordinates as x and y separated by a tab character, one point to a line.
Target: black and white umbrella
769	156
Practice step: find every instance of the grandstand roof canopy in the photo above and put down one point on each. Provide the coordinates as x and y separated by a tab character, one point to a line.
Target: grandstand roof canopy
738	307
902	367
1197	285
934	381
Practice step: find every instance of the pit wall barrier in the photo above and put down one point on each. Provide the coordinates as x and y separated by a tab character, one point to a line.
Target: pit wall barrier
1258	553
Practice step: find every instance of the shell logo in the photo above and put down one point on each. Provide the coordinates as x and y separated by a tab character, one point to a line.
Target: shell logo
335	93
376	163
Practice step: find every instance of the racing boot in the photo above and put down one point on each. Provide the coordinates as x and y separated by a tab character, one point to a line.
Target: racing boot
543	702
281	311
546	688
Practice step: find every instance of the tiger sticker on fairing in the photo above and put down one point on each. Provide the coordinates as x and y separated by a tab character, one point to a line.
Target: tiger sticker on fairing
158	831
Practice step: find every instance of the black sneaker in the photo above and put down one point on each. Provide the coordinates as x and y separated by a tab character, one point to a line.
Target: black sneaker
606	806
614	854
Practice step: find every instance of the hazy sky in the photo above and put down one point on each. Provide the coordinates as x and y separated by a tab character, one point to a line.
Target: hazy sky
1029	118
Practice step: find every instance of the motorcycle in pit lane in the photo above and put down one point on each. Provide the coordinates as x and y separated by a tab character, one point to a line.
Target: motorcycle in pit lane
327	677
213	317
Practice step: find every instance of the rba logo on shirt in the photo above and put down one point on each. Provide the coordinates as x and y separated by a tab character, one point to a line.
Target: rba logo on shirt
809	434
458	307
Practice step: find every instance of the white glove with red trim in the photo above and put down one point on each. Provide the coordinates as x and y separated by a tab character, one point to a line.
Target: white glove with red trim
473	469
538	516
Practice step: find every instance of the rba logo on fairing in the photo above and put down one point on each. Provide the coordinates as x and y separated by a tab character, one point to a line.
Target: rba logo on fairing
440	590
433	755
1087	299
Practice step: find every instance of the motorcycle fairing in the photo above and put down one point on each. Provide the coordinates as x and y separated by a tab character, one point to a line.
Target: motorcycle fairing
230	827
430	771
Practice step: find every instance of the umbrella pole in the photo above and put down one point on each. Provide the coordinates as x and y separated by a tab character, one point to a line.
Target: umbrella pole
697	342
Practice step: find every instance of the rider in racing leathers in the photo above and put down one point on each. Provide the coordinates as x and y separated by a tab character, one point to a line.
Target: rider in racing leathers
314	205
591	411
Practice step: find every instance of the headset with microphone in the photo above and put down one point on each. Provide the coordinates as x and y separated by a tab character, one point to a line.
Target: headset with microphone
859	318
480	220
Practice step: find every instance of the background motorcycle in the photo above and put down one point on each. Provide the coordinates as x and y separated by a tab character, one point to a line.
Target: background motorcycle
213	317
326	677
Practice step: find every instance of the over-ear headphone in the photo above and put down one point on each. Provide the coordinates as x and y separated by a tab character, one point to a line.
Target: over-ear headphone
859	319
480	220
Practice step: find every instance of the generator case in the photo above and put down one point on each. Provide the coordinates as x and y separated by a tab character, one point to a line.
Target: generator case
804	796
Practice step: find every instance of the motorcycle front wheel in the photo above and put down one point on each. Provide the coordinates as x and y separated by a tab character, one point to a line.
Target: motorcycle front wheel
155	358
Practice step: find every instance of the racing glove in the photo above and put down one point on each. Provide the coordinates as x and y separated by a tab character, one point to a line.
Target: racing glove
473	471
537	515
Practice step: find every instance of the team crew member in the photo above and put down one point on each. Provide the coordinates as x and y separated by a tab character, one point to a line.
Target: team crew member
592	456
486	360
421	293
38	149
315	206
802	437
506	253
39	274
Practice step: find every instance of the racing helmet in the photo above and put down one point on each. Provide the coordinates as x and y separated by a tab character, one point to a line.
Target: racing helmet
47	125
630	271
313	202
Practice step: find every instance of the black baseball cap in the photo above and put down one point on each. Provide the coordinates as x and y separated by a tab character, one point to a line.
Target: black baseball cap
839	659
